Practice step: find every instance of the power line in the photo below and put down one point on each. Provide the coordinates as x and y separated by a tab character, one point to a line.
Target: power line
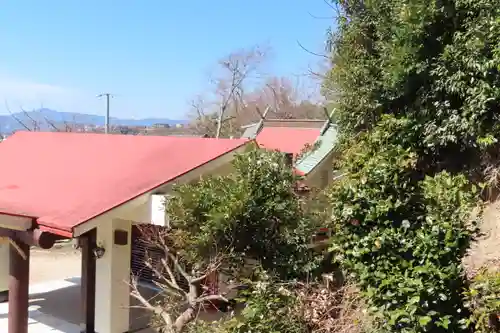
106	124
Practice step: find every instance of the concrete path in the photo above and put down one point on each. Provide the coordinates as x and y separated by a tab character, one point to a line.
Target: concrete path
54	307
40	320
55	293
50	292
60	262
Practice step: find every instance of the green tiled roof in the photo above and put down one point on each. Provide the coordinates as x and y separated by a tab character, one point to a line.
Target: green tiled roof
325	143
251	131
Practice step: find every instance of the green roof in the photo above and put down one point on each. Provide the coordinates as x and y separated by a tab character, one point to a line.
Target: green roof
324	146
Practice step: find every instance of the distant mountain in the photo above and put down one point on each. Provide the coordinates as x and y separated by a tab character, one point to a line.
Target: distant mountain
8	123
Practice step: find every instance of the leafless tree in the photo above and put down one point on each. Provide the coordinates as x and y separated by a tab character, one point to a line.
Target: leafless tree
32	124
231	81
237	68
241	88
180	302
205	122
288	99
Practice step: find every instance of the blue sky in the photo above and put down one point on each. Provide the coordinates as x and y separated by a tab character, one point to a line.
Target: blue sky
154	55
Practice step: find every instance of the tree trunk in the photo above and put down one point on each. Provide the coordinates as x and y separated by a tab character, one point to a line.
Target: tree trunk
185	318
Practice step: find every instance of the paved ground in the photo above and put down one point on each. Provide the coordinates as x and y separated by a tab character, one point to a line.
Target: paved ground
50	292
55	293
40	321
59	263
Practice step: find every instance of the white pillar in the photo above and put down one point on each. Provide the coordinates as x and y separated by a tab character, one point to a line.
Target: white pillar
159	215
4	267
112	275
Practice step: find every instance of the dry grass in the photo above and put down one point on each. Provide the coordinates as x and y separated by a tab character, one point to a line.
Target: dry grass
328	310
492	181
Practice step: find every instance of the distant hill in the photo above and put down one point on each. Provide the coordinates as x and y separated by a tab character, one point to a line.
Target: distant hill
8	123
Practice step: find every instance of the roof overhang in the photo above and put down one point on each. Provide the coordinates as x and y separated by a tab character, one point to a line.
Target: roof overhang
126	210
15	222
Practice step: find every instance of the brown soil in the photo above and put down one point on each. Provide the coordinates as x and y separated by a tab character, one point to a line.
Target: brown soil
486	249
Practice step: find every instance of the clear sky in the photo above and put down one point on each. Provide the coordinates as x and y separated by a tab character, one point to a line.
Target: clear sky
155	55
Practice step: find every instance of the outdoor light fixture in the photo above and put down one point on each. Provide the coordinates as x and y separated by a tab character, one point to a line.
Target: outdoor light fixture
99	251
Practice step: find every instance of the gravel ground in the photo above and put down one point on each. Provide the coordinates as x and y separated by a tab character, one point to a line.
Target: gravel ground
58	263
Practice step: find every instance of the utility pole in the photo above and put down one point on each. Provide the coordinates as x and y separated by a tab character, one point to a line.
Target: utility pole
106	124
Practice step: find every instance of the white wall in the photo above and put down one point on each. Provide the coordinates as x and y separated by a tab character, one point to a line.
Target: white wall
112	311
4	266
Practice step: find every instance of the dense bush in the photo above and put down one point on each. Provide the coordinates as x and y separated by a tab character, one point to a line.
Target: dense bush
484	301
418	118
252	213
402	236
269	307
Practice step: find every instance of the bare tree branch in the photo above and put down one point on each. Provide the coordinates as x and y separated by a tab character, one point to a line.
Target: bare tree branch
36	125
211	298
15	118
313	53
221	110
51	124
180	306
239	71
146	303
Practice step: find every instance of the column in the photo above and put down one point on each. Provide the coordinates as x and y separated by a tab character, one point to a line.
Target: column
4	271
112	303
87	243
19	288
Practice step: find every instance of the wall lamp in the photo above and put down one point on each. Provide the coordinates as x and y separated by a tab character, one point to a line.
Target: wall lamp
99	251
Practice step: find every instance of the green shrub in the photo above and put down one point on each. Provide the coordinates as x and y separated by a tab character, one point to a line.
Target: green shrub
252	213
416	87
402	235
269	308
483	298
273	306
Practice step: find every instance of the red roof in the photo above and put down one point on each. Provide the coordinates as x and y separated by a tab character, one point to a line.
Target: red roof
65	179
287	139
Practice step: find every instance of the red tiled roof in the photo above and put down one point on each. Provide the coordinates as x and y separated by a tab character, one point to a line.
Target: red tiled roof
65	179
287	139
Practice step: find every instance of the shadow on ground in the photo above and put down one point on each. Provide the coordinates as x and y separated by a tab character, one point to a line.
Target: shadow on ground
60	308
63	305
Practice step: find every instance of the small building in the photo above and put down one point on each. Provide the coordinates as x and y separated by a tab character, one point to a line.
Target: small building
161	125
96	188
309	141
